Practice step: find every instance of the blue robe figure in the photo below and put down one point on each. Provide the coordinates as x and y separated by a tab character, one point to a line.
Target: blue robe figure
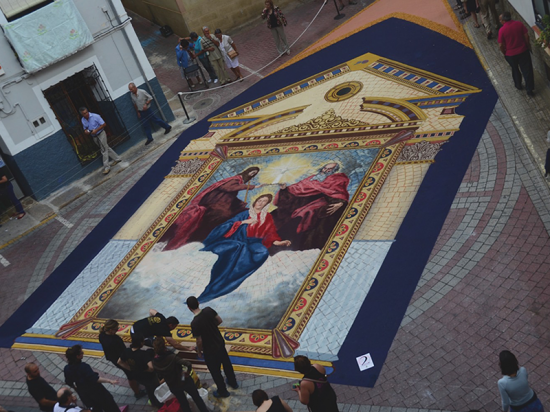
241	248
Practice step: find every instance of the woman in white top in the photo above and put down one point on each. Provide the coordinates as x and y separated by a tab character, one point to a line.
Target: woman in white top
514	387
227	47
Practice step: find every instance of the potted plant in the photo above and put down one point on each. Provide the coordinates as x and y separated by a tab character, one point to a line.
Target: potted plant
544	36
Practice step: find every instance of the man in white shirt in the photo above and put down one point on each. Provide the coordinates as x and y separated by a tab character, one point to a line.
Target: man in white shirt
142	103
67	402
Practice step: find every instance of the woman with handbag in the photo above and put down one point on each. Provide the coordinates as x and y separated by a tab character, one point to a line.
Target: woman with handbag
514	388
230	53
276	22
176	372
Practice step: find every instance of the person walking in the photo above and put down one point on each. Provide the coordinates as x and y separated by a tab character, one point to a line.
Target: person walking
276	22
40	390
211	44
515	392
95	126
169	367
142	103
265	404
486	8
203	56
6	188
139	363
472	8
314	389
89	386
230	53
113	346
210	342
513	40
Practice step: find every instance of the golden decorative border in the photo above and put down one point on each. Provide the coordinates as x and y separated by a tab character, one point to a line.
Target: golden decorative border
306	300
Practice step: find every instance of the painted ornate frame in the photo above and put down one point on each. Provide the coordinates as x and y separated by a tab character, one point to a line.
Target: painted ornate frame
306	300
241	141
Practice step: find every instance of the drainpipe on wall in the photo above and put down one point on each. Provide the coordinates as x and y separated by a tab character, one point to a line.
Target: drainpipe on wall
136	58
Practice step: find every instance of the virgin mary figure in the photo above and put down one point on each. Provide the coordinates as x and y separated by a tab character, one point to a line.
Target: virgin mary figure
241	244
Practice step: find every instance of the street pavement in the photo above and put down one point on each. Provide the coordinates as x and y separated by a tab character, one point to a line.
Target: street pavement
485	288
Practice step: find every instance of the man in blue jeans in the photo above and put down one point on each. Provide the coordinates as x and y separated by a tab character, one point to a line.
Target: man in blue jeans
6	188
142	102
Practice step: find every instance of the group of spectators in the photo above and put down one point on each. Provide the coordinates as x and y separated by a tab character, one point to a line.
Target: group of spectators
213	52
151	367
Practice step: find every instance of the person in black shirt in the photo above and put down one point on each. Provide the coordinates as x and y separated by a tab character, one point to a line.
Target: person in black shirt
139	362
6	188
176	372
113	346
157	325
39	389
88	384
210	342
314	389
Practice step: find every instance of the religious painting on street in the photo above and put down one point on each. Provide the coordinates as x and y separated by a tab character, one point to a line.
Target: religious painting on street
250	237
281	215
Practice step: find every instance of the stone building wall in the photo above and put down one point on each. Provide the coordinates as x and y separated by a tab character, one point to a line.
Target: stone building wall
185	16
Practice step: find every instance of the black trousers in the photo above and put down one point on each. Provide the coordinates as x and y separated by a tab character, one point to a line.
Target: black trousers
97	398
188	385
208	66
521	64
214	361
151	382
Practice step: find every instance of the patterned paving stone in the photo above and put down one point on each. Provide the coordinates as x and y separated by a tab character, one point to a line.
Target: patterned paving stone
484	289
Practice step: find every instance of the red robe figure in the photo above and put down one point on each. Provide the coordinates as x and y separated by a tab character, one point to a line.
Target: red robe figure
213	206
307	211
242	245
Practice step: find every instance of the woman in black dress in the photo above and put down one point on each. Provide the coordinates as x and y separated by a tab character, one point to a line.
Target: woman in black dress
264	404
113	346
88	384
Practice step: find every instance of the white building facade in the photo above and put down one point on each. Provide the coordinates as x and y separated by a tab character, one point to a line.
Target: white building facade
41	137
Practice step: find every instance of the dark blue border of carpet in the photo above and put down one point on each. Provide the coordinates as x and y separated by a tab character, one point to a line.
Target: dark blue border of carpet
395	39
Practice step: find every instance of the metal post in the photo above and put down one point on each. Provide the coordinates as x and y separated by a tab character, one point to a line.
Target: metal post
189	120
339	15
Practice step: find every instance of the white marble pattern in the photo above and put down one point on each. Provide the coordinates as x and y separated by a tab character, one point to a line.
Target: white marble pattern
80	290
330	323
